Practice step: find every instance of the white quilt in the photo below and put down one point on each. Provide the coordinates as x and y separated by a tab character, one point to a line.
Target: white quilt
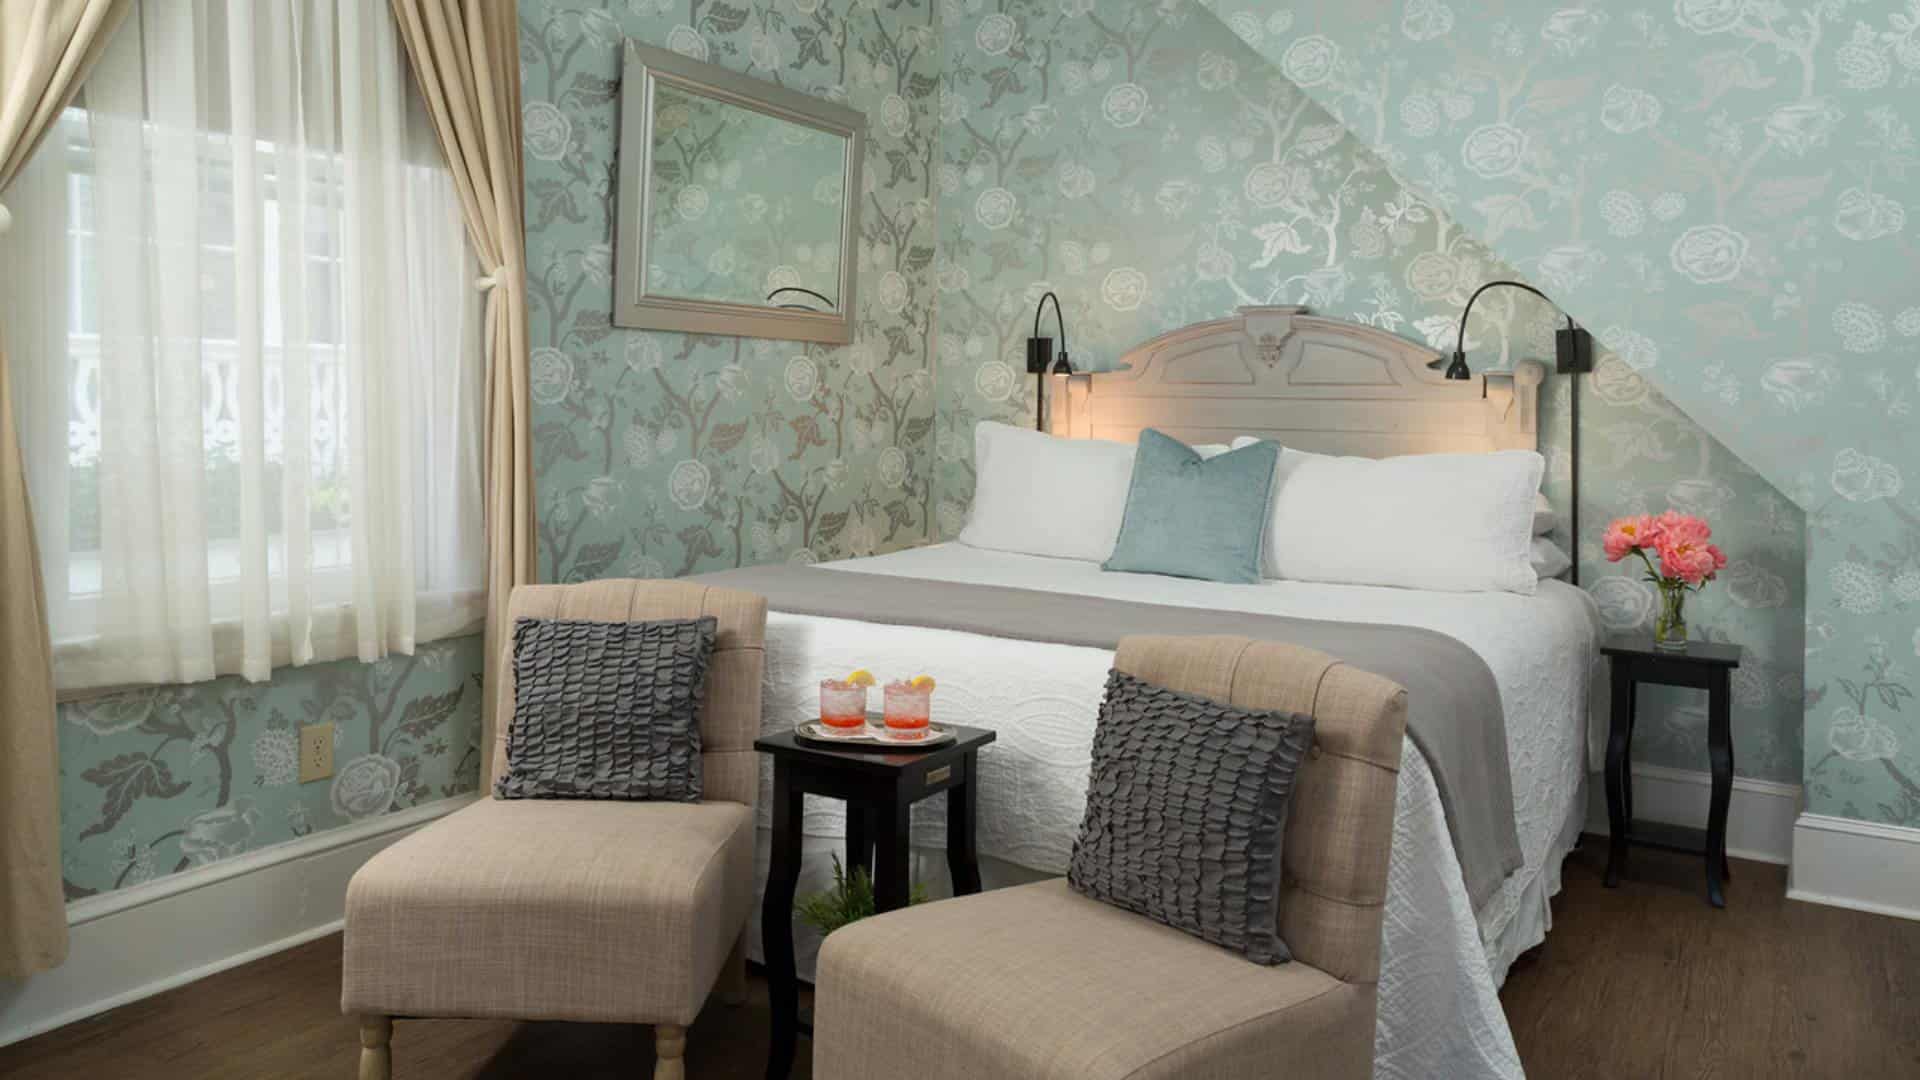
1442	961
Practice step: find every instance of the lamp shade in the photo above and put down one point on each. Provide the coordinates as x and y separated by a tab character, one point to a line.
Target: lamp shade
1039	355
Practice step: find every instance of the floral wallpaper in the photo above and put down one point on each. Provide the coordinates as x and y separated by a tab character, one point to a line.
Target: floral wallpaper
661	454
1152	165
774	188
1722	188
164	779
1153	169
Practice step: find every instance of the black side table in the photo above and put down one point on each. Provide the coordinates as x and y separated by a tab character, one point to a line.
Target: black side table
1702	666
880	788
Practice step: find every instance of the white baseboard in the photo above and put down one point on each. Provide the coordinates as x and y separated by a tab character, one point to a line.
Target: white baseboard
132	943
1856	864
1759	816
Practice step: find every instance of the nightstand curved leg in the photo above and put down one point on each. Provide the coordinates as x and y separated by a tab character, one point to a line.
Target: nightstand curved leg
1720	754
1726	866
963	854
776	924
893	854
1626	766
1619	738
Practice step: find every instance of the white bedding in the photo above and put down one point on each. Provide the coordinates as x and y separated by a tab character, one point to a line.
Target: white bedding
1442	962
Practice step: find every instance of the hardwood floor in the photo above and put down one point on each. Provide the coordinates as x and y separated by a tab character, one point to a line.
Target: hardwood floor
1640	981
1647	980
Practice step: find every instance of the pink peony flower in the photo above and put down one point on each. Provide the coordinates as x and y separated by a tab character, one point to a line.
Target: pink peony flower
1692	561
1683	527
1680	541
1628	533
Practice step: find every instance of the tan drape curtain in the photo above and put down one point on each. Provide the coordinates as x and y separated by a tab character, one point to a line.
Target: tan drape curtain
46	47
465	54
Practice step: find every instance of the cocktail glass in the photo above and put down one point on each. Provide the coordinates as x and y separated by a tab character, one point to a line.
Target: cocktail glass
843	707
907	709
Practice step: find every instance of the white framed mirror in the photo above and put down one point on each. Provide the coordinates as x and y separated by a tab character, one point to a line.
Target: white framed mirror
739	204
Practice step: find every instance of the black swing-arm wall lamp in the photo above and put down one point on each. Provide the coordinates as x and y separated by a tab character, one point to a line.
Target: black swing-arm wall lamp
1572	345
1040	361
1573	355
802	307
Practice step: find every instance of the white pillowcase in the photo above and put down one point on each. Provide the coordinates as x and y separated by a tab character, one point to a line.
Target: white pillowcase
1549	559
1545	520
1037	494
1445	522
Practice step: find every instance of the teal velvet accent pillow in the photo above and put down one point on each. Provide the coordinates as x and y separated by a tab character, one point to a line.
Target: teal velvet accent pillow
1195	517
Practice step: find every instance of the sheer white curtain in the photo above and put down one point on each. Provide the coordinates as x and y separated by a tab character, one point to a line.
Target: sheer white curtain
258	442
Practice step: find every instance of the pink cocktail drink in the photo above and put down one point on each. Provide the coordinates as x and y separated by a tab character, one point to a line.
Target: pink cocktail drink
907	709
843	706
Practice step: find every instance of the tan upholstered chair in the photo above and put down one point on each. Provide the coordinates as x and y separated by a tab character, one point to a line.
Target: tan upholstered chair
536	909
1040	982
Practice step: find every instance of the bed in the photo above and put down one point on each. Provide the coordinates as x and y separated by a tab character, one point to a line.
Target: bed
1314	384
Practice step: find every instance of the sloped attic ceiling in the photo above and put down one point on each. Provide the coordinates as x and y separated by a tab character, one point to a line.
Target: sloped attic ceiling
1722	193
1721	188
1145	164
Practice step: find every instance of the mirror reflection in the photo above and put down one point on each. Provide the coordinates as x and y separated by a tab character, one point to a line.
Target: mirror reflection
745	207
735	216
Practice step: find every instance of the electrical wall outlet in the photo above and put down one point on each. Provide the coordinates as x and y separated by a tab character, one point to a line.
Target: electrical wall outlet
316	752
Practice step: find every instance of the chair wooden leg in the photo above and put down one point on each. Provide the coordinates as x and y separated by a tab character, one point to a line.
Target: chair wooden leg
669	1052
732	986
376	1048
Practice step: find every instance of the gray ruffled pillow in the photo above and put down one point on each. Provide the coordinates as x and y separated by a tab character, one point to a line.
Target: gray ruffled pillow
1186	806
607	710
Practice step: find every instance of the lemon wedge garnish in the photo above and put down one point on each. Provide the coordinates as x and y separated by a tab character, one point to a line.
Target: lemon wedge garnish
923	682
863	677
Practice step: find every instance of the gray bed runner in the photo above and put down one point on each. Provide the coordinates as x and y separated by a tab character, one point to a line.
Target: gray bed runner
1454	713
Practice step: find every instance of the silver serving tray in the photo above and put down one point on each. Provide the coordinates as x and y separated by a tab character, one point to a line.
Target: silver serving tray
873	736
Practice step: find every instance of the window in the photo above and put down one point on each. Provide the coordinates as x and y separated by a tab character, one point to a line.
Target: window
255	317
317	252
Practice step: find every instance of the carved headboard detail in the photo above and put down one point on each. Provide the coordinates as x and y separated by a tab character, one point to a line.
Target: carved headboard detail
1324	385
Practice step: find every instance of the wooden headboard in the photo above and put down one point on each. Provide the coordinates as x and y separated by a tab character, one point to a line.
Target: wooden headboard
1323	385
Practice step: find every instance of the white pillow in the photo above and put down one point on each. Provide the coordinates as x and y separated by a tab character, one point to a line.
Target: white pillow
1446	522
1038	494
1544	518
1549	559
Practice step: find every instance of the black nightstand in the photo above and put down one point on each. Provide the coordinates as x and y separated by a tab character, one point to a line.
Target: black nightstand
1702	666
880	788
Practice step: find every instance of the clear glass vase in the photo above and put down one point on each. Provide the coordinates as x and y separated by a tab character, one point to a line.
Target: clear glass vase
1670	622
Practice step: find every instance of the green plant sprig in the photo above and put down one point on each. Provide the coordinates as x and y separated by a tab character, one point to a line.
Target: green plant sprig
848	901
